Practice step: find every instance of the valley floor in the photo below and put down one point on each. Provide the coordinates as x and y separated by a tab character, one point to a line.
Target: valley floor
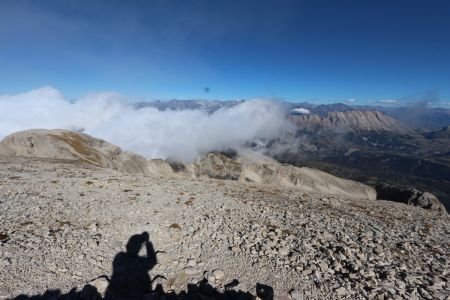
63	224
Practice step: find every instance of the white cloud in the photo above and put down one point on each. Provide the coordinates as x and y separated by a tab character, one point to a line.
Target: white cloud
147	131
350	100
388	101
300	110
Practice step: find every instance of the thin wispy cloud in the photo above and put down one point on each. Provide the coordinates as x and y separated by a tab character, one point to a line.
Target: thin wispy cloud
388	101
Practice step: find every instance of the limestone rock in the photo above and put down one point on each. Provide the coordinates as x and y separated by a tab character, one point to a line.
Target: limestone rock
71	145
101	284
248	165
410	196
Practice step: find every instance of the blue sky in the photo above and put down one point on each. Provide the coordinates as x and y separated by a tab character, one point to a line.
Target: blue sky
323	51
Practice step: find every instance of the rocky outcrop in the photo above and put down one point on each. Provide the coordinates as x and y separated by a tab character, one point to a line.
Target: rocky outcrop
443	133
65	144
409	196
254	167
217	165
356	121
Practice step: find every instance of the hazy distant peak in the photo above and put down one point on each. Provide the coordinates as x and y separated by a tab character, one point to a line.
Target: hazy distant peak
209	106
350	121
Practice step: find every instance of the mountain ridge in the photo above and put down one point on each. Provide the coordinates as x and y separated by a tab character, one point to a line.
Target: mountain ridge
356	121
250	166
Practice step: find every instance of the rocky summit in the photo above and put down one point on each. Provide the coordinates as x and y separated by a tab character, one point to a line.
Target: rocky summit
232	228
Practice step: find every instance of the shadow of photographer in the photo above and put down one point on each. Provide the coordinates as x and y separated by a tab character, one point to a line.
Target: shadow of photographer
131	280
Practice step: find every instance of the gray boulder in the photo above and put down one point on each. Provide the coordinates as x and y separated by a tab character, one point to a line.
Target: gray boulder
410	196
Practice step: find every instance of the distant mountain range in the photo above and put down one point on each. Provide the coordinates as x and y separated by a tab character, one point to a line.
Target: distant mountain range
371	146
405	145
419	117
356	121
207	105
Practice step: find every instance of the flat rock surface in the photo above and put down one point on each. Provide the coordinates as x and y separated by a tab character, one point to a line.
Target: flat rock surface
64	224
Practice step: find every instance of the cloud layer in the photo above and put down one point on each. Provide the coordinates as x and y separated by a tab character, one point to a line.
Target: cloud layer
147	131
